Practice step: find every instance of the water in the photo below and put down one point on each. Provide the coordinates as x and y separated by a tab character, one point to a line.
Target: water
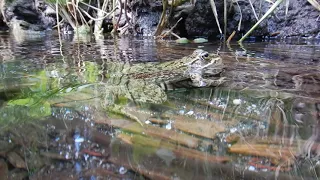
58	119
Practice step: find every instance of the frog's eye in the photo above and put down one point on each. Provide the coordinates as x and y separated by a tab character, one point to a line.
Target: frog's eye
204	55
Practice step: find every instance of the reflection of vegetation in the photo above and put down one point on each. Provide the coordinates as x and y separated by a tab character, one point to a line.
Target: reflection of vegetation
35	98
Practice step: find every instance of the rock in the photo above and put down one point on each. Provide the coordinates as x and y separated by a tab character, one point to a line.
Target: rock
201	21
147	16
300	21
28	15
200	40
18	174
182	41
3	170
16	160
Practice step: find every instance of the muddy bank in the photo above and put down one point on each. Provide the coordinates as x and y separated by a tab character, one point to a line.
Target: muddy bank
197	19
301	20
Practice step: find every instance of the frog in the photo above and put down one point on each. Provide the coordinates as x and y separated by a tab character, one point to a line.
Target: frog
148	82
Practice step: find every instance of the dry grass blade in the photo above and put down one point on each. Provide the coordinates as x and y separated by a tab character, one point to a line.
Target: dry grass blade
66	16
269	1
214	9
162	21
231	36
287	6
315	4
225	19
240	20
254	11
273	7
239	25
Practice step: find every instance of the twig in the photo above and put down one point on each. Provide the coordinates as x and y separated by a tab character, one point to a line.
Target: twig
162	19
170	31
214	10
254	12
273	7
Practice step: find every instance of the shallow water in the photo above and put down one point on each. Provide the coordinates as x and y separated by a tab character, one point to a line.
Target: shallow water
57	121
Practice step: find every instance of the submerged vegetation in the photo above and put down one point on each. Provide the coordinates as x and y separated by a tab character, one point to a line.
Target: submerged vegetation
57	120
123	108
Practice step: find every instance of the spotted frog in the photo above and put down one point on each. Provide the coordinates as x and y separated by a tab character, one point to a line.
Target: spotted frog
147	82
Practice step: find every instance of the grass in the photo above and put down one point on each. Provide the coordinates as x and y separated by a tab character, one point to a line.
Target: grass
272	8
76	13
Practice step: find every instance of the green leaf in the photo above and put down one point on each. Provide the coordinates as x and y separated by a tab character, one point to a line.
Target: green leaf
200	40
40	110
182	41
21	102
92	72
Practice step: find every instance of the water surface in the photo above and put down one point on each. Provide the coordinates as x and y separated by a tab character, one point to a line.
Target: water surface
57	121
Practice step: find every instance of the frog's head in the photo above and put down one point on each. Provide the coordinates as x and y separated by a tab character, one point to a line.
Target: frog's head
201	59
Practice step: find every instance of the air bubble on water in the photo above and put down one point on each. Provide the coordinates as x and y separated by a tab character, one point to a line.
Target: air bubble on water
76	154
169	126
100	162
79	139
182	111
251	168
122	170
86	156
190	112
68	89
237	101
233	130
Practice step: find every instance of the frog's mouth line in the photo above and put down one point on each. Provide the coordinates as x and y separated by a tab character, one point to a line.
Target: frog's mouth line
212	62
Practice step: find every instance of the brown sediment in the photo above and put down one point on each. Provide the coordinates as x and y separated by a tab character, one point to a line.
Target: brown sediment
149	130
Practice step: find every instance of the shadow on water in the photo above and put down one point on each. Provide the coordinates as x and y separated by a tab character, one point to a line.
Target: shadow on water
66	115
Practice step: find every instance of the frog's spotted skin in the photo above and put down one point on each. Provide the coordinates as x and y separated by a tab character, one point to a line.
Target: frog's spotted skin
144	82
